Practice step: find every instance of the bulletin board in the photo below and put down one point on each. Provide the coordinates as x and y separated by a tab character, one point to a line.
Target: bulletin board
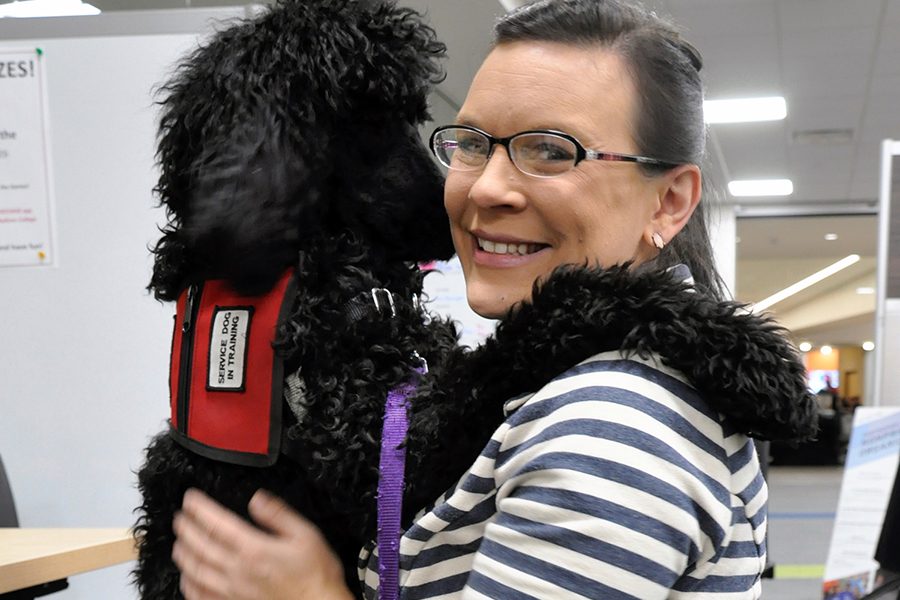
26	190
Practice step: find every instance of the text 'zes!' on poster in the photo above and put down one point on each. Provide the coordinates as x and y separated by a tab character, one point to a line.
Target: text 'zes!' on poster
25	190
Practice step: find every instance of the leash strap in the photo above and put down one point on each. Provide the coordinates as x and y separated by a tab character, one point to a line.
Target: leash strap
390	487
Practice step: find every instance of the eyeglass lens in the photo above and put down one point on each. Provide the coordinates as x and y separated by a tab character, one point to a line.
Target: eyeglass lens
541	154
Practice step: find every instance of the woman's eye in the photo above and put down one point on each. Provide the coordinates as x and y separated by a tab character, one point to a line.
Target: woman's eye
472	145
548	150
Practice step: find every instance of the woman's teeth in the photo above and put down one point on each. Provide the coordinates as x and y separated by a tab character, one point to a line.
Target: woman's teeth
501	248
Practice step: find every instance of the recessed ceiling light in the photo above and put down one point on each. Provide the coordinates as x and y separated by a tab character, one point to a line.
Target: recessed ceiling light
826	350
831	236
745	110
868	346
761	187
865	291
47	8
806	282
805	346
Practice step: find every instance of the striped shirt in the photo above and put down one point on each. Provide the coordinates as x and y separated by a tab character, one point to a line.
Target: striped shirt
615	480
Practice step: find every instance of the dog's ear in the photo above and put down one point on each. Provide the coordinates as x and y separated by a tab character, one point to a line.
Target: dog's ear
235	202
395	197
250	198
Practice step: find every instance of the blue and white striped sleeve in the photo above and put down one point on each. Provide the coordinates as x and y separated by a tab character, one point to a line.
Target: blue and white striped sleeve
610	485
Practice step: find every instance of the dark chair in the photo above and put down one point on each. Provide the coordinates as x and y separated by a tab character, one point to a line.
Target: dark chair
7	506
8	518
886	591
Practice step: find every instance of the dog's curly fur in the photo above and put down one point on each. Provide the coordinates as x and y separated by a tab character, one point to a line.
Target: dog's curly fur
741	363
291	140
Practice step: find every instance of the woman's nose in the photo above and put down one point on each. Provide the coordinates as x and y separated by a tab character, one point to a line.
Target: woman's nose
499	183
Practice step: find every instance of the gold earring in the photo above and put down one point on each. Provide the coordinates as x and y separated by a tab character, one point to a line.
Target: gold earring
658	240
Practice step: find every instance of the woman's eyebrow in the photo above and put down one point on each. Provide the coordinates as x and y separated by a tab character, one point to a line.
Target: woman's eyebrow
465	121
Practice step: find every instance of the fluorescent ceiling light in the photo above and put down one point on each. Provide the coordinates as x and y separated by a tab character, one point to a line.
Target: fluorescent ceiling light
865	291
512	4
830	237
826	350
805	347
806	282
745	110
47	8
868	346
761	187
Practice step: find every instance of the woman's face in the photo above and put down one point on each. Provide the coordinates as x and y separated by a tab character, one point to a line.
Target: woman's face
599	212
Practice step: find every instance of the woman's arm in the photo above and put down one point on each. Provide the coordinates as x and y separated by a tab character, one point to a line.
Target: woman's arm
605	492
221	556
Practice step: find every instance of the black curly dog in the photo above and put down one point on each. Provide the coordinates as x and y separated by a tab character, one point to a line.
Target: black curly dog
291	140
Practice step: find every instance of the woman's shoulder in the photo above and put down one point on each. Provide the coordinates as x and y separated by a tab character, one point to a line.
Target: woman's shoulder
615	377
629	423
615	400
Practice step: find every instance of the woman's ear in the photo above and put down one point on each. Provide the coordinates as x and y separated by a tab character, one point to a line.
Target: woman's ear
679	194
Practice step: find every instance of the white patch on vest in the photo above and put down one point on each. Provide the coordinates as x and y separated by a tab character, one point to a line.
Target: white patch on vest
227	349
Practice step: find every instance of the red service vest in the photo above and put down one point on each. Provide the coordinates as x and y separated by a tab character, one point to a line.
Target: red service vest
225	379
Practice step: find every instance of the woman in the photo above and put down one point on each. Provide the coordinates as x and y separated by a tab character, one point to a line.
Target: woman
621	467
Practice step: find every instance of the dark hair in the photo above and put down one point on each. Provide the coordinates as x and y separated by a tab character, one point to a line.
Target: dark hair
666	71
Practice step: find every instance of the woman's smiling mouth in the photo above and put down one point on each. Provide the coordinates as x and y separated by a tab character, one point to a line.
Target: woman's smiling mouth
503	251
513	248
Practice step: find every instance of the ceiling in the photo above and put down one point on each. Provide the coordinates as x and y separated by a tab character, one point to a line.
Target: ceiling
837	63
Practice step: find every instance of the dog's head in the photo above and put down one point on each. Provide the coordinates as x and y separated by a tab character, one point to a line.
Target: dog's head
294	125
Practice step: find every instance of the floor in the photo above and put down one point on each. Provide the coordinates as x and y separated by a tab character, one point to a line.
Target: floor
802	503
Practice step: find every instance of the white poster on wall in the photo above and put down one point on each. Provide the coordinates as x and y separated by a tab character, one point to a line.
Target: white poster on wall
25	192
445	288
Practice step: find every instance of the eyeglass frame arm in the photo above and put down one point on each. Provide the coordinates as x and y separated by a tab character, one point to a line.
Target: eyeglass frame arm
581	153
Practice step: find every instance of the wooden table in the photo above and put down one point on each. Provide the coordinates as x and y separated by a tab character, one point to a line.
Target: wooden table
33	556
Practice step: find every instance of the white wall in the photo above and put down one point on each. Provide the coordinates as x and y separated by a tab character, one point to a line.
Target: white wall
723	237
83	347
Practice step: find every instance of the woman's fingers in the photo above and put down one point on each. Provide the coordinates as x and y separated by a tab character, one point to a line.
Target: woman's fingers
223	557
195	540
203	562
276	515
193	592
210	543
198	580
217	522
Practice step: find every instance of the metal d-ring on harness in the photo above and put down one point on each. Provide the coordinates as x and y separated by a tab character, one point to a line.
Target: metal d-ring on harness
391	467
385	293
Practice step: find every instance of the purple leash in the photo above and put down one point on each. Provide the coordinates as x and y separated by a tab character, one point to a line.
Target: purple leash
390	487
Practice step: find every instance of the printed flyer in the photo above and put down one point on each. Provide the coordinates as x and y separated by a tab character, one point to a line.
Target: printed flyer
445	289
25	190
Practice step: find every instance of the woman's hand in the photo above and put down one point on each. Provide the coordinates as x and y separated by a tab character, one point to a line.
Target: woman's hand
221	556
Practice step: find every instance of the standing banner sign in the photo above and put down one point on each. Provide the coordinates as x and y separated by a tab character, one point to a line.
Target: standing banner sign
869	472
25	191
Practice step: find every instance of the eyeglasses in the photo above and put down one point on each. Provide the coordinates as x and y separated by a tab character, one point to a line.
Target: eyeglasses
537	152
